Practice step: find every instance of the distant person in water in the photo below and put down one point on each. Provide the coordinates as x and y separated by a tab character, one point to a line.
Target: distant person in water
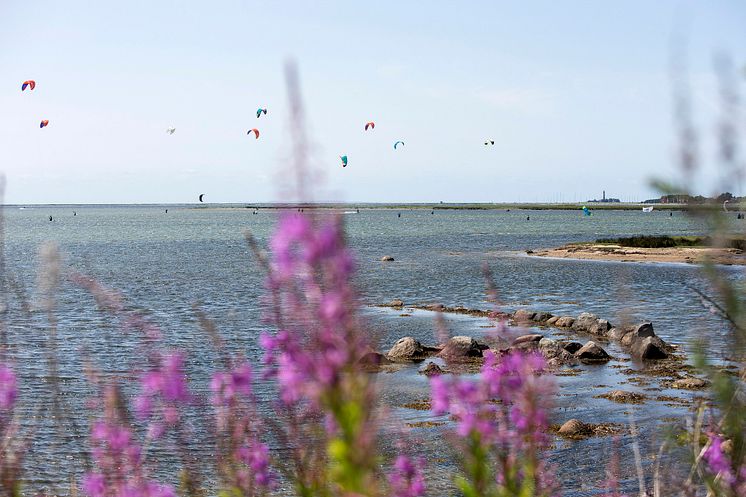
75	213
399	214
528	218
432	213
166	211
50	218
670	214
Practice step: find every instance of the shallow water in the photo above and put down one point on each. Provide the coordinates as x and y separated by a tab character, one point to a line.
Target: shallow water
164	262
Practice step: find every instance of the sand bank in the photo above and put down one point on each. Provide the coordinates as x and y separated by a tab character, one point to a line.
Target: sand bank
607	252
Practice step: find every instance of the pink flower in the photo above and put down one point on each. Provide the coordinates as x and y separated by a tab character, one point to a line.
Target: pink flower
164	391
504	413
226	386
406	479
8	387
94	485
716	459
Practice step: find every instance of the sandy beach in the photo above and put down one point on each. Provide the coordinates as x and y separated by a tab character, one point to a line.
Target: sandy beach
608	252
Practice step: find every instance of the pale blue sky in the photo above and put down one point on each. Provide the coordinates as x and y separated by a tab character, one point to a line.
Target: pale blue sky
576	95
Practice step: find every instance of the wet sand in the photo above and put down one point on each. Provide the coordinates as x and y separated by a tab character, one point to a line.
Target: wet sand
608	252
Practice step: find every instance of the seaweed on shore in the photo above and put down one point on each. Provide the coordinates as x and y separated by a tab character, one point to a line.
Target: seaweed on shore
418	405
652	241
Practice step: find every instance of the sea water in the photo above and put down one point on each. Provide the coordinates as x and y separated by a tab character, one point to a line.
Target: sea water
165	262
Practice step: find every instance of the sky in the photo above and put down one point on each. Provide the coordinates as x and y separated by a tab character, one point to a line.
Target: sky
577	96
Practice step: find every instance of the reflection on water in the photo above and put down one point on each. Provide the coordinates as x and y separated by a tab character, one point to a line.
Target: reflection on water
165	262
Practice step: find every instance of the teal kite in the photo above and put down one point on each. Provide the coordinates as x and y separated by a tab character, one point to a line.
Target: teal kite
344	160
586	211
260	111
397	143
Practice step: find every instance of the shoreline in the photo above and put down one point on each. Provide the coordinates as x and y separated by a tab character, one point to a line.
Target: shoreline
617	253
473	206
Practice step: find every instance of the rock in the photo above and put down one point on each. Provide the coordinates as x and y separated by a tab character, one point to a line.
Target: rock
617	334
649	348
523	315
636	332
548	343
624	397
572	347
557	363
574	428
690	383
644	329
529	251
534	338
601	328
565	322
431	369
541	316
552	320
373	359
396	303
387	258
462	347
592	352
407	349
554	354
585	322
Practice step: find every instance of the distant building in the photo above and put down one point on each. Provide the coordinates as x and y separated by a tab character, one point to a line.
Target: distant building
604	199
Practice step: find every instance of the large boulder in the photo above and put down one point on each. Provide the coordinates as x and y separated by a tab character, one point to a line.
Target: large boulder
591	352
648	348
585	322
462	347
387	258
554	354
564	322
523	315
548	343
574	428
542	317
601	328
373	359
551	321
407	349
533	338
636	332
396	303
617	333
572	347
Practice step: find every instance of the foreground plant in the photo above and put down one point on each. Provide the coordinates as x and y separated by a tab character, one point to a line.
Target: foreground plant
119	468
315	358
501	426
243	460
12	446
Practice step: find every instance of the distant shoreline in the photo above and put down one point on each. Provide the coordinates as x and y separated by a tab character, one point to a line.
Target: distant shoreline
405	206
